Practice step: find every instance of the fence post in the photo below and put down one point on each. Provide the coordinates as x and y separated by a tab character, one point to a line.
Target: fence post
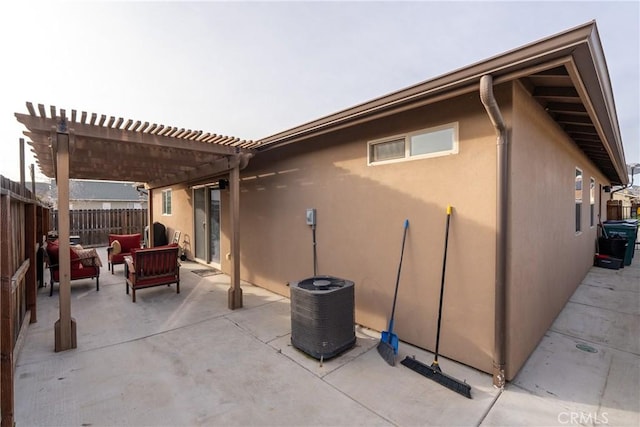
6	314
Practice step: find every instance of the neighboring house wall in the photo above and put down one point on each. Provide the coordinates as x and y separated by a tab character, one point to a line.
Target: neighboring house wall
105	204
361	210
547	258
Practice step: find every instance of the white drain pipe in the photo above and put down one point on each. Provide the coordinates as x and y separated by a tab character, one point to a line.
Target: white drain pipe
502	169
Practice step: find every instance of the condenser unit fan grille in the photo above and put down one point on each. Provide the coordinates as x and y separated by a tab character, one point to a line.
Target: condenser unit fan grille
322	316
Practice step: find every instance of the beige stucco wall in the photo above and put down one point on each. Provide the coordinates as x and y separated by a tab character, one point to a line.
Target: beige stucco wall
547	258
361	210
181	217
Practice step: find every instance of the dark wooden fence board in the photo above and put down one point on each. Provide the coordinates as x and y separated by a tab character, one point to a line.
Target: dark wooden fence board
93	226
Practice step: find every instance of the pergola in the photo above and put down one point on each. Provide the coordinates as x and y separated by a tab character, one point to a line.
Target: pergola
110	148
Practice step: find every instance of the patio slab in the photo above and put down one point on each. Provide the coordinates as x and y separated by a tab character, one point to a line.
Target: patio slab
586	369
186	359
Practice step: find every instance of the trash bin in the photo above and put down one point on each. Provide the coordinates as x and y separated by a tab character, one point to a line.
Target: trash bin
627	230
614	246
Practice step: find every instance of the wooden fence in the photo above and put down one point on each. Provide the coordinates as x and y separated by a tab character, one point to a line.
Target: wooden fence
93	226
23	223
617	210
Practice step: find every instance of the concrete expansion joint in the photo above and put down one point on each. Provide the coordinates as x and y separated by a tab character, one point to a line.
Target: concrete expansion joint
597	343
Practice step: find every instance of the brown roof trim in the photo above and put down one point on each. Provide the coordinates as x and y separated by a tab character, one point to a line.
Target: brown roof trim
581	44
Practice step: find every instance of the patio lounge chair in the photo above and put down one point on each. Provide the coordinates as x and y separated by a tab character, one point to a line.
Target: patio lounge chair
146	268
82	267
117	251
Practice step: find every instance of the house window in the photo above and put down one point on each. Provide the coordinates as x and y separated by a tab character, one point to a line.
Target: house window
592	201
425	143
578	197
166	202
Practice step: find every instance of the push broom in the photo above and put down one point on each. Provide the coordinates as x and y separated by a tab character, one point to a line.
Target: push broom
388	345
434	372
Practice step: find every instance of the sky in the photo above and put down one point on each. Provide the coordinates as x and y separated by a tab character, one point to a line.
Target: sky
252	69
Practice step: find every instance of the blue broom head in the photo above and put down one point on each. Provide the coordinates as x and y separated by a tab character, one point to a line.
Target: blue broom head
391	339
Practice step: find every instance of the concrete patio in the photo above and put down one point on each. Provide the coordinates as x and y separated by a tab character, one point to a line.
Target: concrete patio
186	359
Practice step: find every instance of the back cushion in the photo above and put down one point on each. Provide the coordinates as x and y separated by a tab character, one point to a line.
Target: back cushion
127	241
53	250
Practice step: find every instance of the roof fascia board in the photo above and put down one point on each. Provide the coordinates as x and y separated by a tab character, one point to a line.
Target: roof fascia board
529	55
604	86
472	87
605	135
333	126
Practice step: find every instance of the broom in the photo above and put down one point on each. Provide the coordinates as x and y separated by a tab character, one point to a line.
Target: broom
388	345
434	372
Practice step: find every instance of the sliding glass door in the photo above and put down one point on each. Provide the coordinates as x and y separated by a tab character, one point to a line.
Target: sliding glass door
206	224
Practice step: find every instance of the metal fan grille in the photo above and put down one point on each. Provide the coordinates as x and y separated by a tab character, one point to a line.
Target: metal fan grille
322	316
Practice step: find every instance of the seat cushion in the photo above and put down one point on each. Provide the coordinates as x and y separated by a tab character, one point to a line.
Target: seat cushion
53	252
78	273
119	258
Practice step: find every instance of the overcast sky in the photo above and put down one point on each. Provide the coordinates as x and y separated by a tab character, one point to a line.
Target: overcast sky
251	69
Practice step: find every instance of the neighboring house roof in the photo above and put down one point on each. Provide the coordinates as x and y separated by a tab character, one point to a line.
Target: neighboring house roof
42	188
99	191
566	73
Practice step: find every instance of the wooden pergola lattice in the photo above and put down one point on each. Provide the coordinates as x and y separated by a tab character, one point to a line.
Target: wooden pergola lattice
82	146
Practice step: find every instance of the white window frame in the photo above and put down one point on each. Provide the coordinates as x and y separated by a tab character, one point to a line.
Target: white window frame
592	202
166	202
578	197
407	145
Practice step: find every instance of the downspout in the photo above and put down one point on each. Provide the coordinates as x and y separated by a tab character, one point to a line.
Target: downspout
490	104
624	187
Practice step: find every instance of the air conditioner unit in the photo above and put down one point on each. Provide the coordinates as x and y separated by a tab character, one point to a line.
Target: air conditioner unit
322	316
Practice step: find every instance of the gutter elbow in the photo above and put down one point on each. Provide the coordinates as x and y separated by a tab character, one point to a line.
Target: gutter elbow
490	103
244	160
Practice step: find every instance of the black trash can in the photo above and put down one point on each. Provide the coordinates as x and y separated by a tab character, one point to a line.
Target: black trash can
613	246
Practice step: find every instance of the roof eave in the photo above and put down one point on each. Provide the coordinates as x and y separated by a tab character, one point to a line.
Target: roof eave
581	45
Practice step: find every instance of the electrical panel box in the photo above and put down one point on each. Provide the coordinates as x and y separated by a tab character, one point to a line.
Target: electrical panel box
311	217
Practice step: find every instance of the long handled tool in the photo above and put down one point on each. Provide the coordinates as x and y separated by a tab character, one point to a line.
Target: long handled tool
388	345
434	372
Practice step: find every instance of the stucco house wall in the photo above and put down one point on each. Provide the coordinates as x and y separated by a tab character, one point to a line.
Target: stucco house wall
361	210
547	258
181	217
